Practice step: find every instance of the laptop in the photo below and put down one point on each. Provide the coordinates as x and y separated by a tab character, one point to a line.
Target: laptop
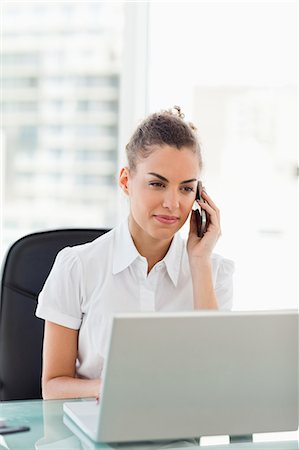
184	375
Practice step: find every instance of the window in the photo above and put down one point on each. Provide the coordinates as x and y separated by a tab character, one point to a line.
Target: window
14	107
72	80
14	82
93	155
27	137
20	58
235	77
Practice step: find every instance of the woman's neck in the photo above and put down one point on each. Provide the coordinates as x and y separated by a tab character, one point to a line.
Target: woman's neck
152	249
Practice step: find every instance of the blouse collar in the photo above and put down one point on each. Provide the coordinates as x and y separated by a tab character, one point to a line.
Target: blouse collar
125	252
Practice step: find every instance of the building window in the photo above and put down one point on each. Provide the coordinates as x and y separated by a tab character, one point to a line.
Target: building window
72	80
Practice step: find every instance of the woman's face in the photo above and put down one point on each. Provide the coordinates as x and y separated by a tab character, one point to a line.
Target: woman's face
161	191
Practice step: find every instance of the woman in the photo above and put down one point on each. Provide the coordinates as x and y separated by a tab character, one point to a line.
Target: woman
141	265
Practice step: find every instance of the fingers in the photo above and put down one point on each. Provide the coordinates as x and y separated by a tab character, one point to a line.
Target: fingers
206	197
211	208
193	227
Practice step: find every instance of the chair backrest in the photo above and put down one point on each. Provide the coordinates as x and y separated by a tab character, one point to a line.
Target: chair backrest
24	271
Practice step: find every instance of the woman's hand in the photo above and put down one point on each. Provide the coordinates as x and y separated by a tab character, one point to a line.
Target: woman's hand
199	252
202	247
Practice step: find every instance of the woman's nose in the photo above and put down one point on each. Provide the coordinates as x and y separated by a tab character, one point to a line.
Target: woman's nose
171	200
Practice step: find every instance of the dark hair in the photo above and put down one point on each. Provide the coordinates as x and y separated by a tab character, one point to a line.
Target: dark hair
163	128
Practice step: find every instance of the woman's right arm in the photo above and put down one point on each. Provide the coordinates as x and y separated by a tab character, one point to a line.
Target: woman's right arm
59	365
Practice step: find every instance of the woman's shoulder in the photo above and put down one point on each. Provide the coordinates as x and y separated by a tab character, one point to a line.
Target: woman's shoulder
103	241
222	260
88	251
222	266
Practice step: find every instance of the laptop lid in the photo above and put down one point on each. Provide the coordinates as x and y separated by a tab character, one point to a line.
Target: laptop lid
182	375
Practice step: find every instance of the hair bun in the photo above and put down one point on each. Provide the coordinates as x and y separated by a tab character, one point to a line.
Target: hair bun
179	111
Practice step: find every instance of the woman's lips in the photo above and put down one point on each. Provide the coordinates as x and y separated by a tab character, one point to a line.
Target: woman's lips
168	220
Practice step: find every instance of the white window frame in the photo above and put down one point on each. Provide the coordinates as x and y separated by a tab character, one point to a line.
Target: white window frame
133	100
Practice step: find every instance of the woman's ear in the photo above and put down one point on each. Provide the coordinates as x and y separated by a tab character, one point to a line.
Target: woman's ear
124	179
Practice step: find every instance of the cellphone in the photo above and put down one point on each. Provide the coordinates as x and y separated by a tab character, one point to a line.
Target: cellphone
202	217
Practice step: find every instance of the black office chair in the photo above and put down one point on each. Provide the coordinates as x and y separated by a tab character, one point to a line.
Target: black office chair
24	271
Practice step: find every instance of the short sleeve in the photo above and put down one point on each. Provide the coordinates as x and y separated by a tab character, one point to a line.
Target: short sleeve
61	297
224	284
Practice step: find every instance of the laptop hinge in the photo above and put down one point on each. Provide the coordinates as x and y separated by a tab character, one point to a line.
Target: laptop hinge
240	438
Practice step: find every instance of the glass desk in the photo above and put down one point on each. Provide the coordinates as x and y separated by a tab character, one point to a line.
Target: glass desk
50	430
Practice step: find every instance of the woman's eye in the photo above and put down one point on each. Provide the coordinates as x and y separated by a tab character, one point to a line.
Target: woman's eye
187	189
156	184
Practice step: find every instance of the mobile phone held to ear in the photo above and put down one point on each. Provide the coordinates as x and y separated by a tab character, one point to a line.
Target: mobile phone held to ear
202	217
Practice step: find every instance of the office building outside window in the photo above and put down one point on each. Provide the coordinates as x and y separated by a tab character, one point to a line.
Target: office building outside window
60	103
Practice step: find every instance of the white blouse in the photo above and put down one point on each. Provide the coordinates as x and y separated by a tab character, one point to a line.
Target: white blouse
89	283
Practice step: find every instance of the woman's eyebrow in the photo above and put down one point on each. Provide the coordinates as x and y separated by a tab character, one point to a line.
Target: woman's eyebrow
166	181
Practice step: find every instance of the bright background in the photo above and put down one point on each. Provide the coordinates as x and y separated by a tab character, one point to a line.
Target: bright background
78	76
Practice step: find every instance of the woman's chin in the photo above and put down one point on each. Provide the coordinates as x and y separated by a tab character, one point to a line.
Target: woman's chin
163	233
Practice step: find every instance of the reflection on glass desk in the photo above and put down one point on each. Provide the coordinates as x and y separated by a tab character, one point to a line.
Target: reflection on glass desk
51	430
